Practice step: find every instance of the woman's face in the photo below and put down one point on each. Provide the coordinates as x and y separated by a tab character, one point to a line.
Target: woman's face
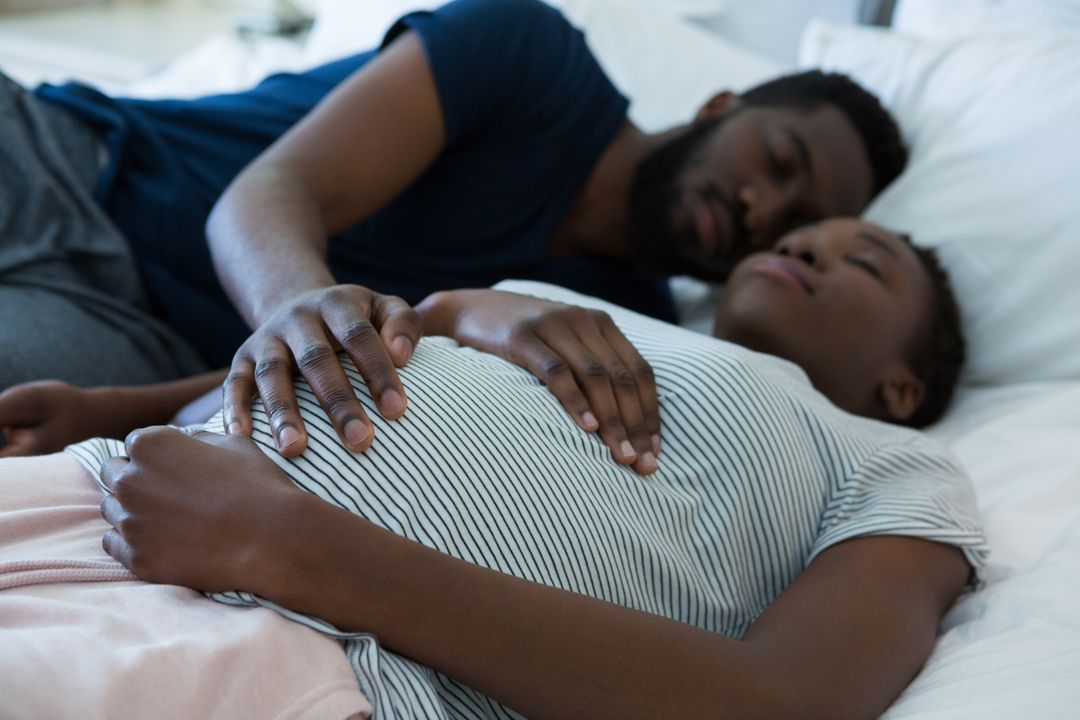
843	298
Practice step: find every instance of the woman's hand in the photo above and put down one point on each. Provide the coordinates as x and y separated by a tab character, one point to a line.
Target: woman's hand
204	512
44	417
586	361
377	331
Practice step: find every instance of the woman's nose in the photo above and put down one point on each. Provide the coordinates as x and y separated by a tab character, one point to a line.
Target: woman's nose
806	245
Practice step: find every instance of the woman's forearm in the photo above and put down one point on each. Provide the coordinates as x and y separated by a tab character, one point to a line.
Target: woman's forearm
542	651
123	409
268	241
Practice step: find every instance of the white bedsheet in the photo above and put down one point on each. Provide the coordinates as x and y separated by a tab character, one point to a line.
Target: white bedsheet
1012	650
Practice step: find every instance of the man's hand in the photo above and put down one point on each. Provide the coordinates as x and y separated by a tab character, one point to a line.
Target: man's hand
198	512
585	360
377	331
44	417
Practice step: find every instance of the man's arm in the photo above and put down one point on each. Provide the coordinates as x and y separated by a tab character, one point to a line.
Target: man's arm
357	150
842	641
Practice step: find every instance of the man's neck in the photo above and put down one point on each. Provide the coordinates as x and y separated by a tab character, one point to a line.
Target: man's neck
597	223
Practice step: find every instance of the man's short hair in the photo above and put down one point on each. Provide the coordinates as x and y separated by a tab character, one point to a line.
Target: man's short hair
938	355
876	127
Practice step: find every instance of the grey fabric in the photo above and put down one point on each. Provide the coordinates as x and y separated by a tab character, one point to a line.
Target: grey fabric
72	304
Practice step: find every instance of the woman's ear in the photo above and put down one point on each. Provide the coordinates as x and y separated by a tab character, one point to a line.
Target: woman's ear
718	104
901	393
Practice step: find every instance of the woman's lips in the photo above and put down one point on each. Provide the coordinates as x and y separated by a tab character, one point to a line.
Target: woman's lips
785	269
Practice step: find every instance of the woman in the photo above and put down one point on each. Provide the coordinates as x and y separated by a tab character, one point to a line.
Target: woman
530	571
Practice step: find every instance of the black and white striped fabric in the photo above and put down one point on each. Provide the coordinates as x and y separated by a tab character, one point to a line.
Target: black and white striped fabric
759	474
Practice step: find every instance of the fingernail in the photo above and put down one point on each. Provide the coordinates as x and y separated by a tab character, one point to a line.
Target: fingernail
234	428
392	403
288	436
648	460
656	444
356	432
402	348
589	421
627	450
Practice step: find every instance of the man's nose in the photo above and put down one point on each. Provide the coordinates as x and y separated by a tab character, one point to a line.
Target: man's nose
770	210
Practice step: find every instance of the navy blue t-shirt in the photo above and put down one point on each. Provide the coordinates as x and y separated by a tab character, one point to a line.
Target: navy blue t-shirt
528	112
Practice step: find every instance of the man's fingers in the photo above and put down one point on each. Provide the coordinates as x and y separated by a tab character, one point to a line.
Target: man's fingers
363	344
622	385
644	377
274	380
594	379
553	370
236	395
320	365
399	326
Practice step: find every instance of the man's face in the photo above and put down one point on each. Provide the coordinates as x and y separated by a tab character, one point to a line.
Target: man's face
734	183
844	299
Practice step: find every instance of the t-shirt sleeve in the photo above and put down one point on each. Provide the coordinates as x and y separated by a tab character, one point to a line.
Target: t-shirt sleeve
914	489
493	60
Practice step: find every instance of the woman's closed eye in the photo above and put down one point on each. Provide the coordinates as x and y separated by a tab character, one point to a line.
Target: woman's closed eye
865	265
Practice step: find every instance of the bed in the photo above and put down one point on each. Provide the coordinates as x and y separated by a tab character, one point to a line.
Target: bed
986	93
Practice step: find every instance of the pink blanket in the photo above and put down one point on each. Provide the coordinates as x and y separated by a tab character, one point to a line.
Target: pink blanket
79	637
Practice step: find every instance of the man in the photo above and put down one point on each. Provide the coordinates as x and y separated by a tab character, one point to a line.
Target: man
482	142
790	559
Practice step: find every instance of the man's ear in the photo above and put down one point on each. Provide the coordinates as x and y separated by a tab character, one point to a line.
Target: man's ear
718	104
901	393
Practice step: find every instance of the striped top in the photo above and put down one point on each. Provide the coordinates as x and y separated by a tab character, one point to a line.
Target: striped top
759	474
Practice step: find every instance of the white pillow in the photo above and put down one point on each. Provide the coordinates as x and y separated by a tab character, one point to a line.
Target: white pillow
934	18
773	27
699	9
668	67
994	125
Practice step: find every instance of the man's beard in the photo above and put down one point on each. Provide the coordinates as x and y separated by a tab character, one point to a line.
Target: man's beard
654	193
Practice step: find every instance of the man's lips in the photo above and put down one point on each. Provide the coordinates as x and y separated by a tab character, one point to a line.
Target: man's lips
786	269
715	225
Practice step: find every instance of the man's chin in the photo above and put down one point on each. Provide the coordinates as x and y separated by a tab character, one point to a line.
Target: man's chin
709	269
680	258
